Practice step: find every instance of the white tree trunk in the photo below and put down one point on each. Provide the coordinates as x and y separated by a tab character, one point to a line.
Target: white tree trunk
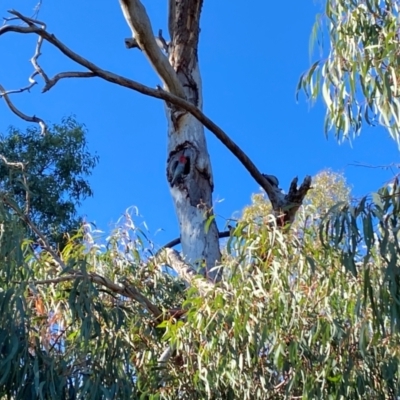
192	195
192	190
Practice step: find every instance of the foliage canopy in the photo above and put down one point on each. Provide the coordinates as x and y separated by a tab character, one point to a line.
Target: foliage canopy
311	313
46	176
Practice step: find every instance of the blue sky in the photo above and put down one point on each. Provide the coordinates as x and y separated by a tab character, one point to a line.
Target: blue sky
250	58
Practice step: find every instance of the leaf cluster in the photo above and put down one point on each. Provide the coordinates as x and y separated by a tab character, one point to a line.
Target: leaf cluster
358	77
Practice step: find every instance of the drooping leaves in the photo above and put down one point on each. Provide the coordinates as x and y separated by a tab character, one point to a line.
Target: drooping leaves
358	77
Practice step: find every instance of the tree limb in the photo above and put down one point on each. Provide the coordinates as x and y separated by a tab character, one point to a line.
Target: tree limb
62	75
139	22
126	290
20	114
177	241
172	258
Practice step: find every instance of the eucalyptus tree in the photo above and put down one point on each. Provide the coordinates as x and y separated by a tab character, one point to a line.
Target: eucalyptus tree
175	61
308	312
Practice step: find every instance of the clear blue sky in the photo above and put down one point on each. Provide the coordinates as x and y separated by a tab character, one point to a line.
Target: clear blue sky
250	57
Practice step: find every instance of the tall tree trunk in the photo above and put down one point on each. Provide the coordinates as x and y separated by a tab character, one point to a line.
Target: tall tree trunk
192	192
190	181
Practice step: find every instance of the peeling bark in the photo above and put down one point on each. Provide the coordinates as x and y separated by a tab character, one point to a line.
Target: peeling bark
191	190
192	196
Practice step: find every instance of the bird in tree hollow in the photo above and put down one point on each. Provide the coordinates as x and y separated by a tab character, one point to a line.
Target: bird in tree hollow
180	166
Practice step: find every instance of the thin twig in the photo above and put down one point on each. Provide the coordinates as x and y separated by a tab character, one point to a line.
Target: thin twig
59	337
26	88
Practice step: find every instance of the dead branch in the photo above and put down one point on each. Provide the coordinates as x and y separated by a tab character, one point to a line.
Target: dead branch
189	275
62	75
139	22
177	241
20	114
280	203
35	63
295	198
162	43
26	88
20	165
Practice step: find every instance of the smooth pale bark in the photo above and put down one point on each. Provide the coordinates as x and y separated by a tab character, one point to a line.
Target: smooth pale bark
179	72
192	197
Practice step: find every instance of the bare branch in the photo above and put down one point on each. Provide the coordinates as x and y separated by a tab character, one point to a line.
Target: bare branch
36	10
185	271
139	22
26	88
34	59
20	114
162	43
127	290
294	199
177	241
62	75
27	20
18	165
